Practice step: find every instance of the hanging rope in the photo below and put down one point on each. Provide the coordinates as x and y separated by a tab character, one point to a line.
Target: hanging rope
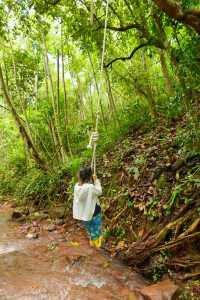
95	136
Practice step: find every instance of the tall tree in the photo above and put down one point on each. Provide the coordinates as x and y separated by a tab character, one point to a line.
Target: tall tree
24	134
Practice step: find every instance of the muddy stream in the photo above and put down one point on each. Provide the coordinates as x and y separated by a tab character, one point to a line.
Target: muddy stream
60	265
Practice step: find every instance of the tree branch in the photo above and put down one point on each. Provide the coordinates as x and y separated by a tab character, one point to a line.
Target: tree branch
6	108
174	9
127	57
114	28
53	2
114	11
129	8
126	27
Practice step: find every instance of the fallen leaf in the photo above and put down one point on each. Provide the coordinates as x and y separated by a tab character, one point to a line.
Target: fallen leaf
120	245
74	244
106	264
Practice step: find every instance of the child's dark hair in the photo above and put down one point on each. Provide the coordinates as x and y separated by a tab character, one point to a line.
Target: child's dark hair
85	174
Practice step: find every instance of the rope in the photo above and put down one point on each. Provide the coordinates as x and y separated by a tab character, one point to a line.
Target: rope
95	134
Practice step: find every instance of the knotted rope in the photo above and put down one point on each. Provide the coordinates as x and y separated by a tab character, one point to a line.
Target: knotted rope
95	135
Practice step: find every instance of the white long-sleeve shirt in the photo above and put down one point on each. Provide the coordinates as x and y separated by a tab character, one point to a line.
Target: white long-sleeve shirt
85	200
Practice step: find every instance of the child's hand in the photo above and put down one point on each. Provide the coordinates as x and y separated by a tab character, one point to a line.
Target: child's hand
94	177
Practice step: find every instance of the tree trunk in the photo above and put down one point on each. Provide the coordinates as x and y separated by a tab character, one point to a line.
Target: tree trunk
165	71
150	97
110	97
175	10
53	101
58	81
46	78
21	97
65	98
36	156
97	89
80	99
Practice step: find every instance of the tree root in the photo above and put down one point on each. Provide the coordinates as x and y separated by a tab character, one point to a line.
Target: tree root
143	249
183	263
176	225
191	229
191	276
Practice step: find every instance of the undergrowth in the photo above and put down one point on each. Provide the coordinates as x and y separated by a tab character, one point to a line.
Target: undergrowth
33	185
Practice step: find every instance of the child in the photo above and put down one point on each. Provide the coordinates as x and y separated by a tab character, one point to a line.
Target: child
86	206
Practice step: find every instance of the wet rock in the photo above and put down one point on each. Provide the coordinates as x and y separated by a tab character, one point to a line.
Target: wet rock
59	222
32	236
135	296
163	290
35	224
50	227
17	215
13	204
56	212
38	216
25	211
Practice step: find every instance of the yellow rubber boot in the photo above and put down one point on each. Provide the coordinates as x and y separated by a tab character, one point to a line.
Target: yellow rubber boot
98	242
92	243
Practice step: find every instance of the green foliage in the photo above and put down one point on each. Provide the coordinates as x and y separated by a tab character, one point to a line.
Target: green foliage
190	291
187	139
172	107
168	207
151	210
41	188
117	232
42	44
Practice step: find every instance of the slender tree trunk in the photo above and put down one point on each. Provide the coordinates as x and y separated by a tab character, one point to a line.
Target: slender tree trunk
54	106
36	156
91	104
109	91
80	98
110	97
150	98
46	78
58	82
21	98
54	139
165	71
65	97
97	88
36	86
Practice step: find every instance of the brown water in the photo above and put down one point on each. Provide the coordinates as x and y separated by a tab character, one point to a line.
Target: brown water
60	265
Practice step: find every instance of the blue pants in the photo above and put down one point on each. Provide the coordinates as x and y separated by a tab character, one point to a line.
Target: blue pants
93	227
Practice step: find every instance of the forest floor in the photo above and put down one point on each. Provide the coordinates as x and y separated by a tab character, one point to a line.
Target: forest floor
152	205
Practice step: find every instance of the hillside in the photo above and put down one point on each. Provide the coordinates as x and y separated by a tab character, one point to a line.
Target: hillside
152	203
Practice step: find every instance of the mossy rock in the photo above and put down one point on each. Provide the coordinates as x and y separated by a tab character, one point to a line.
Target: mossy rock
37	216
56	212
